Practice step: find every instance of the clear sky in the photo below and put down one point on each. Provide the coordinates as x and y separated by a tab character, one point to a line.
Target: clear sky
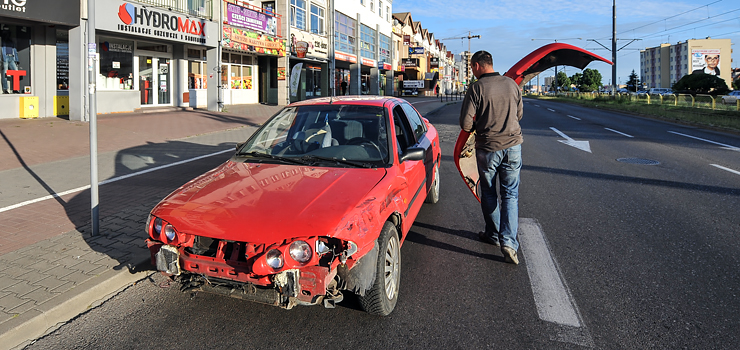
507	27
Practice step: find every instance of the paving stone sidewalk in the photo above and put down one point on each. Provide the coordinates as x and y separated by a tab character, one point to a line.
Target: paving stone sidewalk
47	283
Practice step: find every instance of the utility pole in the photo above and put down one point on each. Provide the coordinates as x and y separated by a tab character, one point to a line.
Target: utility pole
92	114
614	47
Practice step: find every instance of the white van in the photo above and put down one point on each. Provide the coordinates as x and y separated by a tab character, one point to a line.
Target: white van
660	91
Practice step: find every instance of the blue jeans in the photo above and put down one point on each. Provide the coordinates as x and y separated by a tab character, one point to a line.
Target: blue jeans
8	63
502	221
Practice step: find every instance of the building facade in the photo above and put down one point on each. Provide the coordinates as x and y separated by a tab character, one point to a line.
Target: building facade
664	65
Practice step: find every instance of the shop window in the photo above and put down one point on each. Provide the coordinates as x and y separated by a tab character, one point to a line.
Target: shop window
344	35
15	43
241	77
235	59
367	42
142	45
196	75
196	54
62	60
116	64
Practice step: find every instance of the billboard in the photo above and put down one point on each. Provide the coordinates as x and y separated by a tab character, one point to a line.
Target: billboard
705	61
243	17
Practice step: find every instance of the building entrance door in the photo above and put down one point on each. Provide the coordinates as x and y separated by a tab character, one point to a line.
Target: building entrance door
155	80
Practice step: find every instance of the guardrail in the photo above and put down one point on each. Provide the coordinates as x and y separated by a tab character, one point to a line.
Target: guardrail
453	96
683	100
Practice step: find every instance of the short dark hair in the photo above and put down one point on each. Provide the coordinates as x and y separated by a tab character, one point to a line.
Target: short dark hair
483	58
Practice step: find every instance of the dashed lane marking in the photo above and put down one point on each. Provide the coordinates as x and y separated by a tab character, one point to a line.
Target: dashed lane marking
731	148
726	169
576	118
618	132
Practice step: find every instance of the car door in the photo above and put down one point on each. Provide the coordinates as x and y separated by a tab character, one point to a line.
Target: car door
413	171
420	132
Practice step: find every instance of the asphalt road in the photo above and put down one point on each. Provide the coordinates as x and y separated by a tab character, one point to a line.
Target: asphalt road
614	255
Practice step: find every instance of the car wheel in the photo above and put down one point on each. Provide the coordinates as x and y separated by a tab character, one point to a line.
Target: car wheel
433	195
382	296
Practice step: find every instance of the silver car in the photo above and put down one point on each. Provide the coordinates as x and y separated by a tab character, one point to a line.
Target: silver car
731	98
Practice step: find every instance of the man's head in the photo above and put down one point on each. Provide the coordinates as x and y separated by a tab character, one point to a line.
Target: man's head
481	63
712	61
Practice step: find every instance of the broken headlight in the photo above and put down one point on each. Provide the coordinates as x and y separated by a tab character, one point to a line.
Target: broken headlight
300	251
275	259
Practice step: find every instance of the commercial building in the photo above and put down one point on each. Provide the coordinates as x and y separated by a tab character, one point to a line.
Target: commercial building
664	65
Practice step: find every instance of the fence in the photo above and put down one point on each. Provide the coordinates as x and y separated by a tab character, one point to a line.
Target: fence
679	100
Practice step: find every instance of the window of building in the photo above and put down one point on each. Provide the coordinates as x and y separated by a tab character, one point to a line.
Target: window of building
298	14
197	68
367	42
380	9
197	7
372	6
384	48
317	20
16	53
344	35
116	64
387	13
238	73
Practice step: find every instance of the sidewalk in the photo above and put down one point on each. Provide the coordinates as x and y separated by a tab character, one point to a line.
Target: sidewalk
51	268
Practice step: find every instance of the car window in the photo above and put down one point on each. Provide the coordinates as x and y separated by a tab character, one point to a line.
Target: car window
417	125
346	132
404	135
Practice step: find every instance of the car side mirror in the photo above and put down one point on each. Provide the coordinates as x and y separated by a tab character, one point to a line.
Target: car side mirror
239	145
413	153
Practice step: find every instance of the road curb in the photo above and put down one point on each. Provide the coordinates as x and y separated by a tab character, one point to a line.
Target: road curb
45	318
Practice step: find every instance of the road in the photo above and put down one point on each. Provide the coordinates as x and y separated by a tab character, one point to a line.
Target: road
629	240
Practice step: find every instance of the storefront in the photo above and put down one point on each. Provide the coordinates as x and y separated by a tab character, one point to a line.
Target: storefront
249	62
150	57
33	44
311	51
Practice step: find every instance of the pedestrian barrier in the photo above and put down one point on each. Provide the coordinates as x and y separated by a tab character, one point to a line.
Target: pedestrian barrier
701	101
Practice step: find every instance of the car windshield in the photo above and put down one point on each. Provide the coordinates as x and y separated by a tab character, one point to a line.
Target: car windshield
333	135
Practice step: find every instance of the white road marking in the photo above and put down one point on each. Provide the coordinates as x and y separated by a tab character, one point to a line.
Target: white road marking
621	133
727	169
576	118
536	105
581	145
731	148
551	294
551	110
114	179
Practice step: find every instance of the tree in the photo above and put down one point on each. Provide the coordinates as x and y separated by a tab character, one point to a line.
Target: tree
576	80
563	82
736	83
701	84
590	81
634	82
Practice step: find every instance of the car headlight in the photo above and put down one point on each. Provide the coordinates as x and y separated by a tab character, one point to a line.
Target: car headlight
157	225
300	251
275	259
169	231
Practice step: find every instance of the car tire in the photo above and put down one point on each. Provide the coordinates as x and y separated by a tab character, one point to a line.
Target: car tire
433	195
382	296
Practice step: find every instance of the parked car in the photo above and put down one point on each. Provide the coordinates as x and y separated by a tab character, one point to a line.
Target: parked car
731	98
639	93
316	202
623	91
661	91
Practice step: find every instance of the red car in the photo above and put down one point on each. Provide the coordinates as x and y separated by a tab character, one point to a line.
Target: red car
318	201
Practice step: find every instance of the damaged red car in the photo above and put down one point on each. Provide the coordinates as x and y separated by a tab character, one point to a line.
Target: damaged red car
317	202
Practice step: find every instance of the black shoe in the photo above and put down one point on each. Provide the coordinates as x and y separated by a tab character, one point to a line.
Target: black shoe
488	239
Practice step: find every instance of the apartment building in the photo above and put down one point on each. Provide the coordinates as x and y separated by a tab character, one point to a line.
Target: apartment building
664	65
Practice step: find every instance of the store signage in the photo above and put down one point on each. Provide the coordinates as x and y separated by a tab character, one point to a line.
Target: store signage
416	50
245	40
155	23
410	62
434	62
407	39
368	62
301	47
243	17
408	84
386	66
318	46
63	11
345	57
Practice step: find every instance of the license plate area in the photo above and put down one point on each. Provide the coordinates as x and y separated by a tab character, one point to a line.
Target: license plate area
168	260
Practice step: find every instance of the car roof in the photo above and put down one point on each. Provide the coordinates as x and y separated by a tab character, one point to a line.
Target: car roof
349	100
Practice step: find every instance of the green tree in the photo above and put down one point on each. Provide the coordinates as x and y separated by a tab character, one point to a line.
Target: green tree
563	82
701	84
591	80
576	79
634	82
736	84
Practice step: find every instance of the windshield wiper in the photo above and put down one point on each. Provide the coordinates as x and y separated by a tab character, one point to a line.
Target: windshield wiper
278	158
314	158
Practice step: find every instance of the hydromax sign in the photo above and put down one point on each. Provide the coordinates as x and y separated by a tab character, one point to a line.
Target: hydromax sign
62	12
155	23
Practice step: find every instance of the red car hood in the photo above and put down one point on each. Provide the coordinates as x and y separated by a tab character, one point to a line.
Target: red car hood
267	203
548	56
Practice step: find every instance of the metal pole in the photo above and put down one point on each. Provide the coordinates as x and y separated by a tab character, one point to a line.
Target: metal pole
614	48
92	50
219	54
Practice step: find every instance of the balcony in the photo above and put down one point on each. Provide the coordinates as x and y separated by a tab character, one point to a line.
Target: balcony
196	8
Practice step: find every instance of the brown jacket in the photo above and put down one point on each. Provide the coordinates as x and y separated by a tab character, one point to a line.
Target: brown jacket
493	107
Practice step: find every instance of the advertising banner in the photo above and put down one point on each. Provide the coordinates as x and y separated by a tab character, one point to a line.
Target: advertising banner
410	62
368	62
416	50
247	41
705	61
345	57
59	11
243	17
407	40
434	62
315	46
295	78
413	84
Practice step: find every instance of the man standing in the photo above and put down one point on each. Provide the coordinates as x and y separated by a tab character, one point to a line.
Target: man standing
492	109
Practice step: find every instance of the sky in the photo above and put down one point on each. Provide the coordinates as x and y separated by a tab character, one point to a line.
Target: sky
511	29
